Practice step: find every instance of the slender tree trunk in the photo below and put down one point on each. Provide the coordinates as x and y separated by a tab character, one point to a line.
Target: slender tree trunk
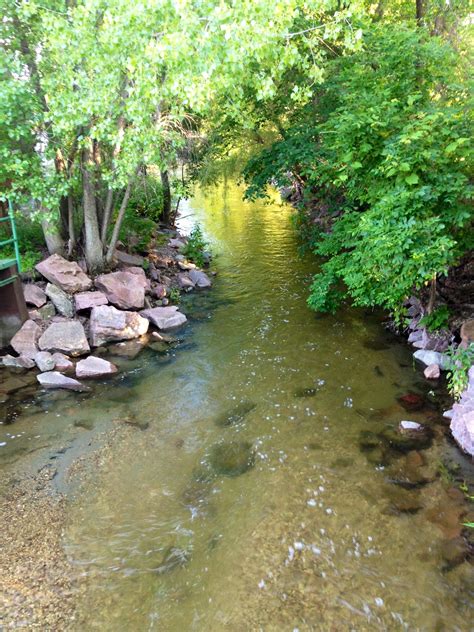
106	217
53	238
420	10
165	183
94	252
70	223
118	223
432	299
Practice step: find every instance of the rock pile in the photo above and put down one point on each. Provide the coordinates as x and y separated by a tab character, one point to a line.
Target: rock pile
73	313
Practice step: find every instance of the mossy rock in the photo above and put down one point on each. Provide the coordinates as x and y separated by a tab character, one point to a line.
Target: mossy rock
232	458
235	415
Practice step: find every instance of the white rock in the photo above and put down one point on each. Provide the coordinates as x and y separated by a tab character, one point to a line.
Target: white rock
94	367
54	379
44	361
432	357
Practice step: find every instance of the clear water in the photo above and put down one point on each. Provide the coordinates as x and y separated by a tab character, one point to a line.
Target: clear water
312	536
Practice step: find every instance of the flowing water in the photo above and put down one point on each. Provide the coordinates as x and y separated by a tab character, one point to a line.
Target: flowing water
312	519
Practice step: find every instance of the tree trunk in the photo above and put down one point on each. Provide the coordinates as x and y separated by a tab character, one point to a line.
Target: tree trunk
165	183
118	223
93	246
53	238
419	11
70	223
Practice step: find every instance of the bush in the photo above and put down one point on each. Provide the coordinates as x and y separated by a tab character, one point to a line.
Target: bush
196	246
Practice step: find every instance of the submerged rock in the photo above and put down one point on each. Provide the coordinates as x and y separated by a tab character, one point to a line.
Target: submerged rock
199	279
235	415
410	439
455	551
305	392
173	557
232	458
67	275
411	401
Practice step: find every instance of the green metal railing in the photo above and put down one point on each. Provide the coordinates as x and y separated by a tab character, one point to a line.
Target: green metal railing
8	262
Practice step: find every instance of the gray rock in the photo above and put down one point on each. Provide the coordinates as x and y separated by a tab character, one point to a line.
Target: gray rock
94	367
67	336
61	301
88	300
432	372
432	357
434	341
415	336
65	274
110	324
200	278
34	295
47	311
45	361
184	281
54	379
124	289
25	340
21	362
176	243
62	363
165	317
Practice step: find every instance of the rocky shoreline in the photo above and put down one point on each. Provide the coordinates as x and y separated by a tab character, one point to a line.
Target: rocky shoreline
73	315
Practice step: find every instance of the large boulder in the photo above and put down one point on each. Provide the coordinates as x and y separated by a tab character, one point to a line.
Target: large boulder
434	341
462	420
165	317
66	336
109	324
200	278
88	300
34	295
94	367
54	379
61	301
65	274
123	289
25	340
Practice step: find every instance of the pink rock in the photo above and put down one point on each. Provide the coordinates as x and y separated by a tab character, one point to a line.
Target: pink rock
34	295
127	259
160	290
184	281
94	367
65	274
54	379
108	324
87	300
25	340
462	427
432	372
165	317
123	289
65	336
62	363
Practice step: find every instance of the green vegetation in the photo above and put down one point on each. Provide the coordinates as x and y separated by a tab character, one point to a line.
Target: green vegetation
363	110
460	360
196	246
438	319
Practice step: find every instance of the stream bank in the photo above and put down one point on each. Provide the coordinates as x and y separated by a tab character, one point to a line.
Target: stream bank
323	513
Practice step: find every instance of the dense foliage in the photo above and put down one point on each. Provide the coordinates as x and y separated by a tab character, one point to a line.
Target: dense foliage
386	144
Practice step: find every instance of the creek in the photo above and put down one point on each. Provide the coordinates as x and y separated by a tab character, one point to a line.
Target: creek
260	483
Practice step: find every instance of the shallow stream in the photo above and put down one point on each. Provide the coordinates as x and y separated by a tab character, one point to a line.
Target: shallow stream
260	485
